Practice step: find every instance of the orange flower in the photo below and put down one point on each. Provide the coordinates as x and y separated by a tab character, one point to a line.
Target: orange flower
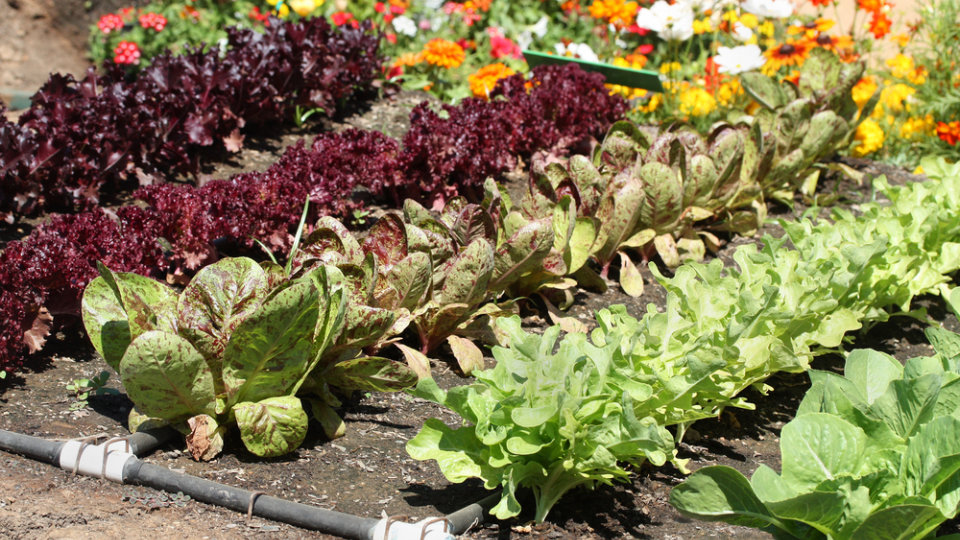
616	12
879	24
949	132
485	79
870	5
837	44
443	53
407	59
791	53
811	29
820	3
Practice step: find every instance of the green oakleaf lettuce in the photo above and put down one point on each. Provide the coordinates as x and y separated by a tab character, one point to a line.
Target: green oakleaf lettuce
544	420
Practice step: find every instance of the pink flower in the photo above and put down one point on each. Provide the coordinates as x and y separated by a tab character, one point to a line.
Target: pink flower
153	20
500	45
126	52
109	23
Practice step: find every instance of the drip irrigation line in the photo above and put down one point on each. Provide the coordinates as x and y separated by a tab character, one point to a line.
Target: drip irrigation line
116	459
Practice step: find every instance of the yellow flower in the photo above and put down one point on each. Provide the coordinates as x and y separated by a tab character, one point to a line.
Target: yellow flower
916	127
636	62
670	67
749	20
902	67
870	137
485	79
443	53
766	29
728	92
652	104
616	12
702	26
918	170
695	101
303	7
894	95
863	90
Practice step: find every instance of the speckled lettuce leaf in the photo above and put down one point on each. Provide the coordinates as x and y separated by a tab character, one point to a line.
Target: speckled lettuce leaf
271	427
467	276
105	321
387	240
270	350
167	378
216	301
618	216
370	373
410	278
523	252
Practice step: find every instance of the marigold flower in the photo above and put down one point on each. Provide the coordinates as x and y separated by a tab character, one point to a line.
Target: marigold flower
917	126
485	79
126	52
728	92
870	137
443	53
110	22
695	101
617	12
880	24
407	59
870	5
863	91
902	67
893	96
702	26
949	132
153	20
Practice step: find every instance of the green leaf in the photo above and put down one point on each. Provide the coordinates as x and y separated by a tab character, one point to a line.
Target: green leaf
522	253
458	453
821	447
908	404
272	426
871	372
720	493
270	350
411	278
469	357
105	321
901	522
630	279
167	378
468	275
333	426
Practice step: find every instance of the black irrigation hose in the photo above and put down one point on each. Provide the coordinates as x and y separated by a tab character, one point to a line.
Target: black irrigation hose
137	472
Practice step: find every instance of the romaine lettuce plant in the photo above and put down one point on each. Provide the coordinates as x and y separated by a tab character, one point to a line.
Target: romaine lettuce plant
548	417
874	453
235	346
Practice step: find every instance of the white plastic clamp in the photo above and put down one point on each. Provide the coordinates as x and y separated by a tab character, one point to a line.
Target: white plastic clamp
104	460
431	528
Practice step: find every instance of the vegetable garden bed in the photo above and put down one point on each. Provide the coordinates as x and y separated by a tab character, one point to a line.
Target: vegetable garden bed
368	471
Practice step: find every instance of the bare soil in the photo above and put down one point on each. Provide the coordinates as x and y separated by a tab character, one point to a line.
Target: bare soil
367	472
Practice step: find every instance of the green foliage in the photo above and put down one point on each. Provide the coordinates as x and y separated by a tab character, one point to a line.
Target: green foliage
549	421
872	451
236	345
82	389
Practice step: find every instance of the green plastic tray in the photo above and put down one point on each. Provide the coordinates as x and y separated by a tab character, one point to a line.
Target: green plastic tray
634	78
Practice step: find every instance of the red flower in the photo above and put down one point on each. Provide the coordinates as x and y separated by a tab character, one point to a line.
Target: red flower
949	132
341	18
126	52
392	38
646	48
109	23
501	45
257	15
153	20
379	7
821	3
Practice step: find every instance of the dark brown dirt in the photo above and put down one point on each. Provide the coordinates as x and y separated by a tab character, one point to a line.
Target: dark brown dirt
367	472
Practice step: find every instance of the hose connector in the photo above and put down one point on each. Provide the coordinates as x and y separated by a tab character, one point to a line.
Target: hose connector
431	528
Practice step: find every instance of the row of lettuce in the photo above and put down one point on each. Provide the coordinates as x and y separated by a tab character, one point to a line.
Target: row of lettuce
551	416
641	191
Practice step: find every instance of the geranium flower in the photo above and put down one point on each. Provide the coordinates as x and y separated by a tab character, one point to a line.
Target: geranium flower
405	25
778	9
734	60
485	79
126	52
153	20
791	53
670	22
110	22
443	53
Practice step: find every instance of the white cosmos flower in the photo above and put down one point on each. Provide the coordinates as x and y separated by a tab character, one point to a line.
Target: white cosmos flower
578	50
405	25
741	33
670	22
779	9
739	59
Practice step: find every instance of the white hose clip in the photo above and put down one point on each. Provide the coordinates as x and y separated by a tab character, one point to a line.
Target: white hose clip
102	460
431	528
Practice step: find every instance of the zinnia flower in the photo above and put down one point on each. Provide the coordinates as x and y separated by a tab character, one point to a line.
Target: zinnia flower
617	12
739	59
670	22
443	53
485	79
